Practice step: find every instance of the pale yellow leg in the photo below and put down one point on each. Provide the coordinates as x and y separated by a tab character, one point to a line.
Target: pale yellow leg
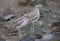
20	34
32	27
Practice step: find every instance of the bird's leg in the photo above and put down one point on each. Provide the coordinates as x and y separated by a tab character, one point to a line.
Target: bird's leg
20	34
32	28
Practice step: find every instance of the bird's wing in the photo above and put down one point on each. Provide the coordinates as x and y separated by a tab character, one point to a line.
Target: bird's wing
28	14
24	23
19	24
18	19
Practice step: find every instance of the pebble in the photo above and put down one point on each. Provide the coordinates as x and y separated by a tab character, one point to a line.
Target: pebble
2	39
6	17
47	37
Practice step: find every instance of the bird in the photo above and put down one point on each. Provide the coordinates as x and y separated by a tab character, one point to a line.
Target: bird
29	17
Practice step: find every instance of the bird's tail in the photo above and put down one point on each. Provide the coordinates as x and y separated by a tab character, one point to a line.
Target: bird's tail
13	28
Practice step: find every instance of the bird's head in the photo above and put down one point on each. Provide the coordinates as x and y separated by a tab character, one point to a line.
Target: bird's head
38	6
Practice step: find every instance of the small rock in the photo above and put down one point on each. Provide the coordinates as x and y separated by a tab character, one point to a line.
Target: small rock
37	39
7	17
47	37
28	37
2	39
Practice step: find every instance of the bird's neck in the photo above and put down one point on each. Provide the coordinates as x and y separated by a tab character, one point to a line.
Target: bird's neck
36	9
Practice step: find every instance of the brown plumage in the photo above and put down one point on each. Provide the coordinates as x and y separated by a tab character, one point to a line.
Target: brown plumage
27	18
